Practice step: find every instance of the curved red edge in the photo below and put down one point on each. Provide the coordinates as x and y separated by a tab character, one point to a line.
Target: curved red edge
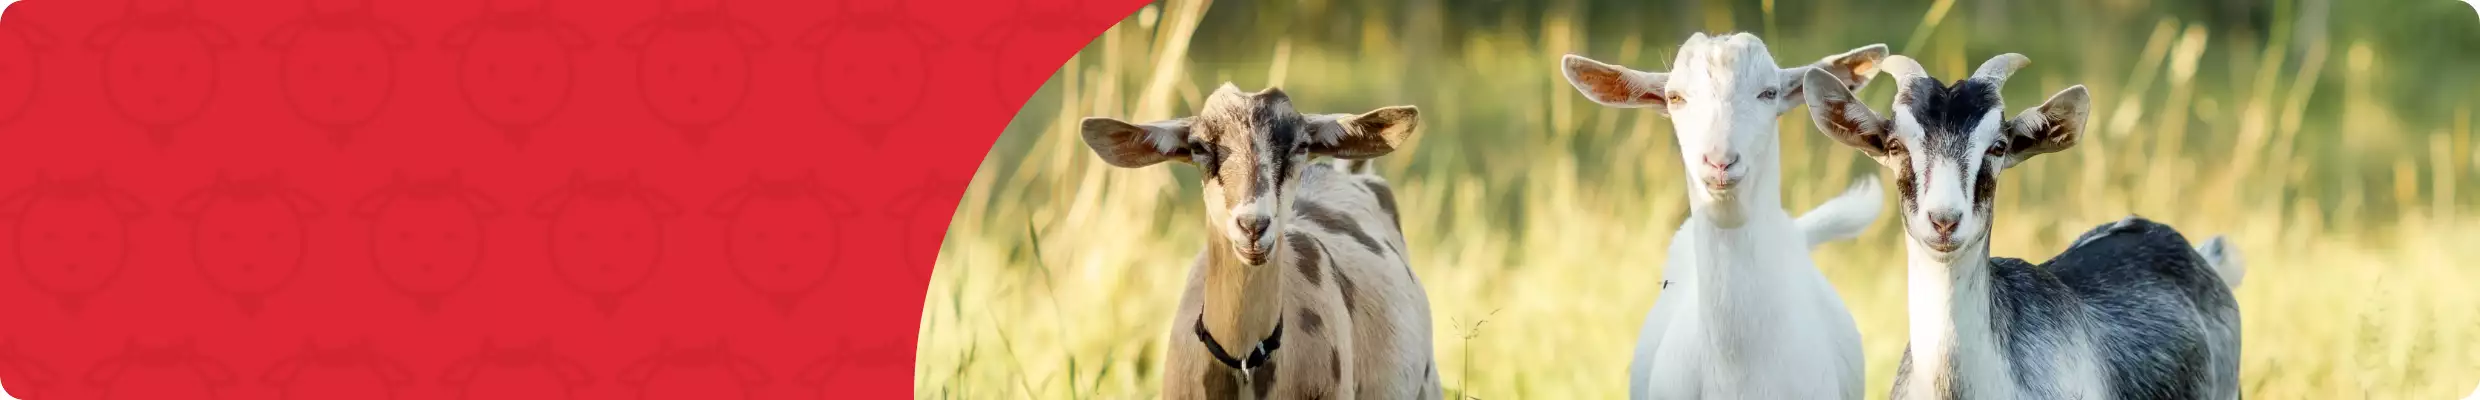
265	198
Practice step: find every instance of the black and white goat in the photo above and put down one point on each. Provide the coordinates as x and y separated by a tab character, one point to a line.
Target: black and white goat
2129	311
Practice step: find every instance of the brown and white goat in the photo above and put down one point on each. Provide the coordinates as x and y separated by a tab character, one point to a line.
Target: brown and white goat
1302	290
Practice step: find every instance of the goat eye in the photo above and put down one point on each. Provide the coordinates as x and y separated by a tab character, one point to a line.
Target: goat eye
1767	95
1678	99
1997	149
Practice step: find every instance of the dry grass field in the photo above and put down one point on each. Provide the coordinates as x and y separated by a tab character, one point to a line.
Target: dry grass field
2330	150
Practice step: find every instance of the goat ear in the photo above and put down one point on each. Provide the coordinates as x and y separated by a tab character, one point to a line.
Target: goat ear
1840	115
1855	67
636	37
1616	86
1853	70
1364	136
394	373
37	38
2053	126
1128	145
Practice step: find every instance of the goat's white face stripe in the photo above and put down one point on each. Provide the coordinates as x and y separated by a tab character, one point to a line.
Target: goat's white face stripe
1952	172
1943	192
1946	174
1908	131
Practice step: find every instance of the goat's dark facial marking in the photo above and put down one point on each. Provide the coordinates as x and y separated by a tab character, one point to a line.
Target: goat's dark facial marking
1249	150
1947	142
1255	147
1951	129
1268	200
2129	311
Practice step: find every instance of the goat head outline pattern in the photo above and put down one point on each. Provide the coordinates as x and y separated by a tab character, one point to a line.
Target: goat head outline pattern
72	235
1014	60
427	236
160	64
831	371
899	47
174	370
516	372
22	44
694	65
353	371
925	222
516	65
710	371
28	378
605	236
249	237
339	65
782	236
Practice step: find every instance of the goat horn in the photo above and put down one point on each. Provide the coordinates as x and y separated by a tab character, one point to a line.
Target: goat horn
1904	70
1902	67
1226	89
1998	68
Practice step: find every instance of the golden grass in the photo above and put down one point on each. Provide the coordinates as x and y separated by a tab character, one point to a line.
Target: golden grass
1537	220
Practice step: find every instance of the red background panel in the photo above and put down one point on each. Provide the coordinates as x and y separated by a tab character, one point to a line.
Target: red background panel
478	199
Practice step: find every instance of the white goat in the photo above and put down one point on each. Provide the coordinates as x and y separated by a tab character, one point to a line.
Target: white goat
2129	311
1744	314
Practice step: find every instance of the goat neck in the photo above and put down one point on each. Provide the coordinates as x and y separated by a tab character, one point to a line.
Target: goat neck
1739	272
1950	317
1242	301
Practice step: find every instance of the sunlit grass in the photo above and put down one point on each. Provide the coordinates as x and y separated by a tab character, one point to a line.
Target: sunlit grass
1546	216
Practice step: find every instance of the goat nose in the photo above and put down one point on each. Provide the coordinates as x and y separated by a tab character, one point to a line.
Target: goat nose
1944	221
1724	161
1254	226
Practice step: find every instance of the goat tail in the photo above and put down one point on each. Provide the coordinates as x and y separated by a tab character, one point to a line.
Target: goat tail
1845	216
1366	166
2225	259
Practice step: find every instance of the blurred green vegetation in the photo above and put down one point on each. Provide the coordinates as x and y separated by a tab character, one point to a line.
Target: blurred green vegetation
2328	137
